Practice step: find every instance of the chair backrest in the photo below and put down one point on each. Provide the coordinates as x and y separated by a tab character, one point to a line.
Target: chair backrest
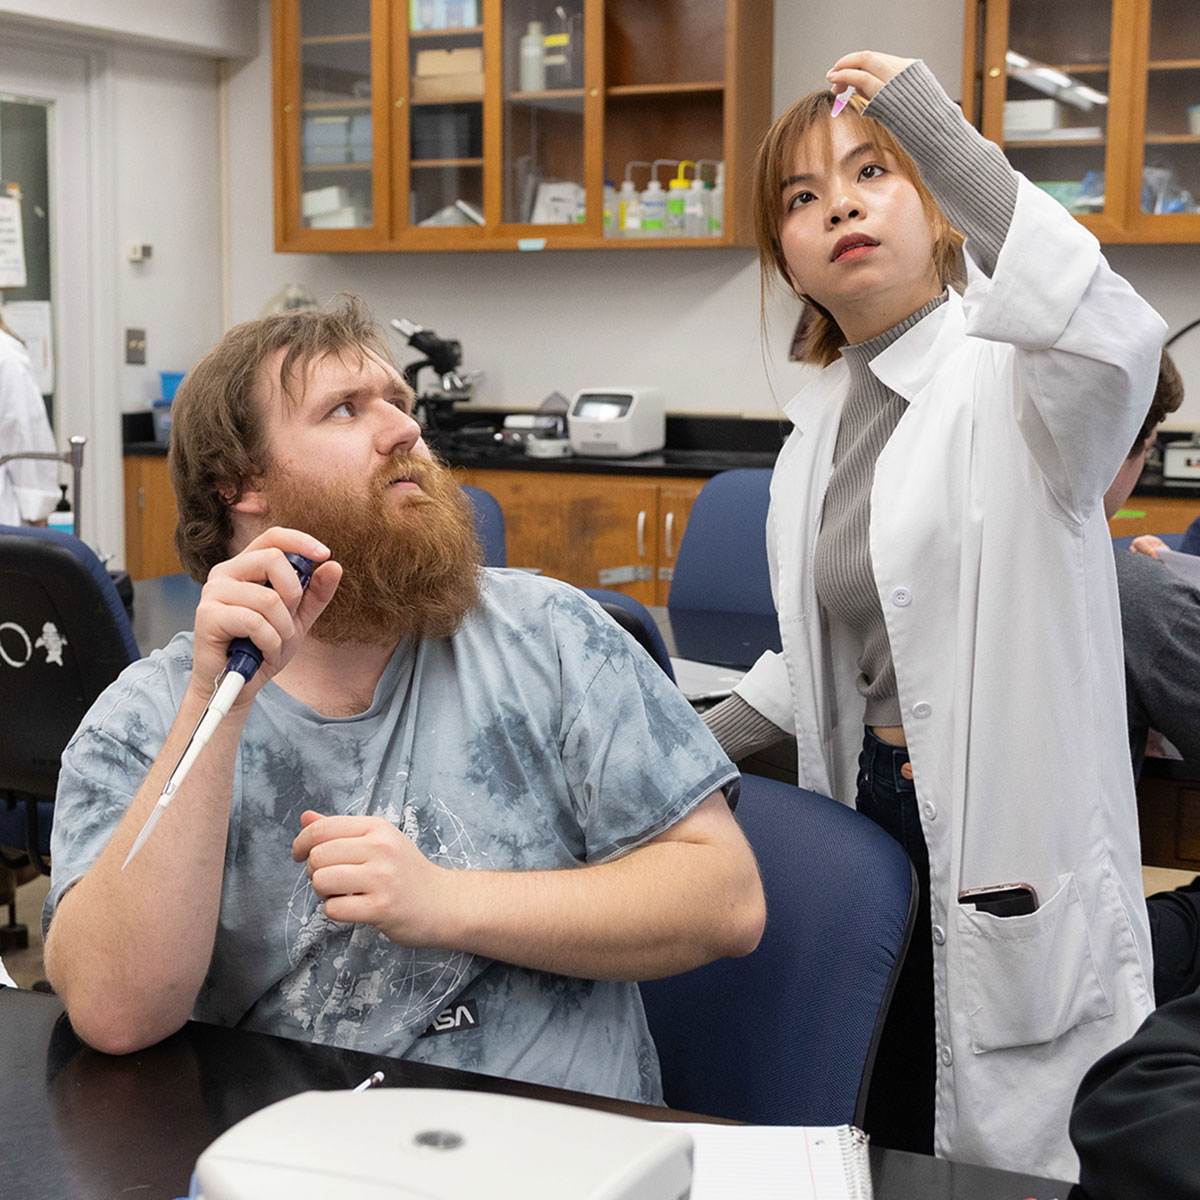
787	1035
489	525
633	616
1189	543
722	559
64	637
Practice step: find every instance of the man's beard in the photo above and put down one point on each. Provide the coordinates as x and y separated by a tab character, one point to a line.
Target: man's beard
410	568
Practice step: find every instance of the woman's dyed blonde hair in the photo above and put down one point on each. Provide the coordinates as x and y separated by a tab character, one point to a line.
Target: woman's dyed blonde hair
812	116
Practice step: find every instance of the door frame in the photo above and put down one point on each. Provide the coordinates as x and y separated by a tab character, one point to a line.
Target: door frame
75	75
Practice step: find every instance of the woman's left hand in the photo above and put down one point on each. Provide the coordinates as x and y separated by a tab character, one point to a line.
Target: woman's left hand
866	71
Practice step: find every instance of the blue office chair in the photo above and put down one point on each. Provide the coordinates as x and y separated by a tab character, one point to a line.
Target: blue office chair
787	1035
722	560
489	525
64	637
1189	543
634	617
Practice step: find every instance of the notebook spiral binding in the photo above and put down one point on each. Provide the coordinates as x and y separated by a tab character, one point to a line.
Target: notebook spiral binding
853	1143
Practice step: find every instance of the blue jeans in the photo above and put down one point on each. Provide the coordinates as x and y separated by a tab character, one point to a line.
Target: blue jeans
900	1102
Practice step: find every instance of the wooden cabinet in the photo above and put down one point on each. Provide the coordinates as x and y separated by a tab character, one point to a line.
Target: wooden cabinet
1098	101
1154	514
613	531
150	516
390	135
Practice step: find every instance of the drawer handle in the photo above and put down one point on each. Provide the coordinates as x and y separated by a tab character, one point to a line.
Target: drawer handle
641	534
670	535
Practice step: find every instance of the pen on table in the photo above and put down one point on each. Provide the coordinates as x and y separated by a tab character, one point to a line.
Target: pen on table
244	659
376	1077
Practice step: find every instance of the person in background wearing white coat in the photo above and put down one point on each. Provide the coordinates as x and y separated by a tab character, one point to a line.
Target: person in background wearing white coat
28	487
943	574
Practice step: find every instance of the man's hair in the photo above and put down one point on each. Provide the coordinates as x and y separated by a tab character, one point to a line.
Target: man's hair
1168	396
823	338
218	441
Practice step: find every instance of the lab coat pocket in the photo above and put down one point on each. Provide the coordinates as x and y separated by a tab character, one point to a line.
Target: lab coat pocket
1029	979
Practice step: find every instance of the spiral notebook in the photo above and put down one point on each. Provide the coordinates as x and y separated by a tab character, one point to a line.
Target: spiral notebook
788	1162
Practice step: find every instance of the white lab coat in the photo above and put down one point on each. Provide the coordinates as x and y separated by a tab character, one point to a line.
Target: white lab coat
994	568
28	487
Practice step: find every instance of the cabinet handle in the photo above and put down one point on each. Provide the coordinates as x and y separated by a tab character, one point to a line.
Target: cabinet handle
141	498
641	534
670	535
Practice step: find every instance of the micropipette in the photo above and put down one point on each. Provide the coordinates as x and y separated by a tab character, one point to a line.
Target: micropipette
842	99
244	659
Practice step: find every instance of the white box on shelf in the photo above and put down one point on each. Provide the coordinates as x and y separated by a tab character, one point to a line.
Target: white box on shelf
1031	116
316	201
349	217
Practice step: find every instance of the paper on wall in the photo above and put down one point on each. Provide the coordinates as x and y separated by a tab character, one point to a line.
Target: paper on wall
31	321
12	244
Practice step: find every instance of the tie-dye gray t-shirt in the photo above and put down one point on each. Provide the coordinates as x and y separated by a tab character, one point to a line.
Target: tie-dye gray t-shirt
539	736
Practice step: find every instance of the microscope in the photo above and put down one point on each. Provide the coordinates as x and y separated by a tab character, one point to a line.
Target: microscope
435	408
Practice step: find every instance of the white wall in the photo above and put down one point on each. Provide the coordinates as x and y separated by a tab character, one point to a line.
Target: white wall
167	195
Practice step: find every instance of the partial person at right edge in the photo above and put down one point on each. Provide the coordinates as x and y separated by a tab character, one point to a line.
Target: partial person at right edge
28	487
1160	633
944	579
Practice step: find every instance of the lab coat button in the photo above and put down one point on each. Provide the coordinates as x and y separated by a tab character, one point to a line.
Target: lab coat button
947	1056
922	710
902	597
930	810
939	935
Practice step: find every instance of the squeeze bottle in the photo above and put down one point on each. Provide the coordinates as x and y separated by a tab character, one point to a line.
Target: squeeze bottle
716	204
533	60
677	193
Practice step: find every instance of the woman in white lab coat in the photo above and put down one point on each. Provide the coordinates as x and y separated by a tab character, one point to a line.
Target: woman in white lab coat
944	578
28	487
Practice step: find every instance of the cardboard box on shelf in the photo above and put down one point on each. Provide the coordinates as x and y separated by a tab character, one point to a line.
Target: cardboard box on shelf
463	61
453	73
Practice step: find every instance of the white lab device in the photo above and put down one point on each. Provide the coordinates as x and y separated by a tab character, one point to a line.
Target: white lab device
1181	461
617	422
435	1144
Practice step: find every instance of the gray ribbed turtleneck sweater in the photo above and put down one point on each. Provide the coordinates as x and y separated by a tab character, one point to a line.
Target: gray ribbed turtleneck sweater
977	190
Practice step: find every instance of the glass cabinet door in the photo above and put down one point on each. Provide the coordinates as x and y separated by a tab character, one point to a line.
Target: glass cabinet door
336	122
1056	108
1171	134
445	124
543	165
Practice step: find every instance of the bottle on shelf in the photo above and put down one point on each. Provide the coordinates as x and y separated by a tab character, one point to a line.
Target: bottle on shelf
532	74
629	203
609	208
695	208
716	204
654	202
557	53
62	518
677	194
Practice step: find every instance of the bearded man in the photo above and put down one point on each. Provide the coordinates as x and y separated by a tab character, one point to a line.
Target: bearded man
456	812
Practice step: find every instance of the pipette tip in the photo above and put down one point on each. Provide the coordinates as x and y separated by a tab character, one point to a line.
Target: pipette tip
841	100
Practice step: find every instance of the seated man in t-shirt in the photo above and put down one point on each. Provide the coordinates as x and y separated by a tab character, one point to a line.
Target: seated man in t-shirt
455	813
